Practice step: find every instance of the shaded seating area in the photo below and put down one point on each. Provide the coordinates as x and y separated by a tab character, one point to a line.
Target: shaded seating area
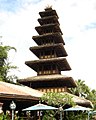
22	96
39	108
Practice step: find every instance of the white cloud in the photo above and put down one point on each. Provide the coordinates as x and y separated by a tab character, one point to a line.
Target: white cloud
74	15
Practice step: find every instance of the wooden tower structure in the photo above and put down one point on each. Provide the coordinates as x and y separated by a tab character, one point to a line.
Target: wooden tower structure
52	56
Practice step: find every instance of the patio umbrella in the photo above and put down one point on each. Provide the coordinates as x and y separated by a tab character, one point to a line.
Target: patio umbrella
78	108
39	107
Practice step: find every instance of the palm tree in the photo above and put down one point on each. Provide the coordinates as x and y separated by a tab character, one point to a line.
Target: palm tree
82	90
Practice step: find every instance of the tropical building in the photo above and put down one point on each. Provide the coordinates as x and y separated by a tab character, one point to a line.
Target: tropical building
51	57
22	96
51	62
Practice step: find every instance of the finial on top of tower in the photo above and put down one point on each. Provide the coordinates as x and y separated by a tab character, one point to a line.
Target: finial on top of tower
48	7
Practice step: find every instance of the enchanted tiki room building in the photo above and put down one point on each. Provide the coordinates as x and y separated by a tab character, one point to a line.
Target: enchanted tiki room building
52	56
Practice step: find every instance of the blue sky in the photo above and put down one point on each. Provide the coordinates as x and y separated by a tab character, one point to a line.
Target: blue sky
77	18
14	5
9	5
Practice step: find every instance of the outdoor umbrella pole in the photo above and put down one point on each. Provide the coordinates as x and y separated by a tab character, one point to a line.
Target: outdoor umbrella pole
39	114
60	115
61	110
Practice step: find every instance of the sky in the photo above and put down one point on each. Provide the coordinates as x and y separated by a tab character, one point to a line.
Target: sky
77	18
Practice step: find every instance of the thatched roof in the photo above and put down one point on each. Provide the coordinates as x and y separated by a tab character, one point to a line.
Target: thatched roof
57	37
47	81
48	19
58	48
80	101
48	12
61	63
48	28
22	95
12	90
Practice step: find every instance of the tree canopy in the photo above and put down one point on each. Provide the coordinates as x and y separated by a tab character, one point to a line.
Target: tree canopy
57	99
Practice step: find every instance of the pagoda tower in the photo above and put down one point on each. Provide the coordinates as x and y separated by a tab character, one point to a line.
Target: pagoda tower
52	56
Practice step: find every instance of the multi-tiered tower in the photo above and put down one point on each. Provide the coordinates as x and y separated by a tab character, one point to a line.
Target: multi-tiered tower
51	54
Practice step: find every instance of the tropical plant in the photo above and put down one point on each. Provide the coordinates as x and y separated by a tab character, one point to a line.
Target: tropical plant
57	100
92	97
82	90
78	115
49	115
5	65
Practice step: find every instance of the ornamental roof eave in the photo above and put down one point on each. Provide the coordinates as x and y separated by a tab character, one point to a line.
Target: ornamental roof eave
23	96
55	80
80	100
53	27
58	48
13	90
47	19
57	37
61	63
48	13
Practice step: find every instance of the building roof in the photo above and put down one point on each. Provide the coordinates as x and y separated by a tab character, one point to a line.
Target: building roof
80	100
48	12
58	48
48	28
49	36
61	63
47	81
22	95
13	90
10	92
48	19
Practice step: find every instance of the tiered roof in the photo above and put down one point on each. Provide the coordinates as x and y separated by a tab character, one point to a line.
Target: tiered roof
52	59
58	48
51	53
56	37
61	63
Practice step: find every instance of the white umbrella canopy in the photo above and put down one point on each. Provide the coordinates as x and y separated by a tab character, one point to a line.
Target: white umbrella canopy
39	107
78	108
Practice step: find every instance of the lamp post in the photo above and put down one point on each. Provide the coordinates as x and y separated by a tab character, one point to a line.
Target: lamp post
12	107
60	109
